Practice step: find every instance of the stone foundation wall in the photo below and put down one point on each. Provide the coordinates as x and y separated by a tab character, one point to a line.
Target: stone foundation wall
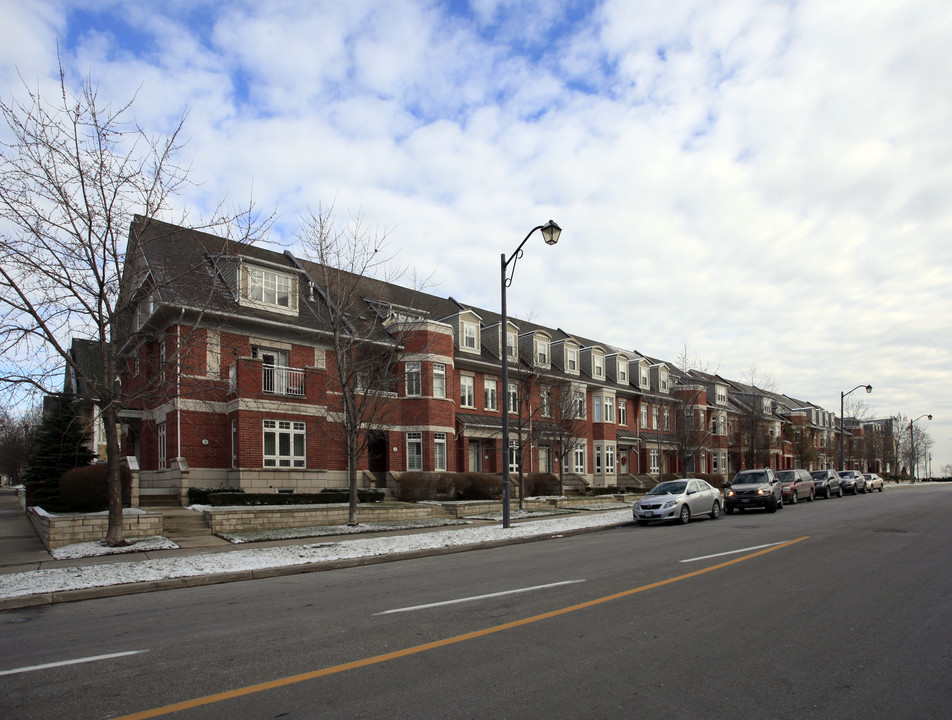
232	520
58	530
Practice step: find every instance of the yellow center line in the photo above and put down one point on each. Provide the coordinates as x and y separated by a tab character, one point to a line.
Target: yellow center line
406	652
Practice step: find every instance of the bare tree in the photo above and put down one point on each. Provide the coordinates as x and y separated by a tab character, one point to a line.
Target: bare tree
691	433
74	173
567	425
16	441
754	413
371	337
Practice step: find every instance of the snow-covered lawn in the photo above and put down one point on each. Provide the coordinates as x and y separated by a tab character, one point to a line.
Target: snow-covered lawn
117	573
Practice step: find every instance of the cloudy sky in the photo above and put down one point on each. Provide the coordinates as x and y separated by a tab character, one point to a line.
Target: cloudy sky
763	182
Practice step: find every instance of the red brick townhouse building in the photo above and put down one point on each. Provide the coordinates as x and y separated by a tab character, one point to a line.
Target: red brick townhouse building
231	379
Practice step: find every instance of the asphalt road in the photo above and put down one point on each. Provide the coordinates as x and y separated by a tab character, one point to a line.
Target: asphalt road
834	609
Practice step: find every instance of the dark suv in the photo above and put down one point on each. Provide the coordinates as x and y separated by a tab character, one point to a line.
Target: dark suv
754	488
827	483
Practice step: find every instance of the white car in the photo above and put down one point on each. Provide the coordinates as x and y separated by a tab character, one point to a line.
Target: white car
874	482
678	500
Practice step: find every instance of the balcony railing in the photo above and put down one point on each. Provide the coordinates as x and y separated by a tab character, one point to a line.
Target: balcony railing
279	380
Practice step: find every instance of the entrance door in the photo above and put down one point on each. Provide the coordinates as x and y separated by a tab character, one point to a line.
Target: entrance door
475	456
545	459
377	457
275	371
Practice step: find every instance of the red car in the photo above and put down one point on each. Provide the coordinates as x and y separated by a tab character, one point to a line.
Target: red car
796	485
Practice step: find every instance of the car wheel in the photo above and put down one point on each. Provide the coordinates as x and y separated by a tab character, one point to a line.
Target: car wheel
812	496
715	510
881	488
827	494
772	505
685	516
793	498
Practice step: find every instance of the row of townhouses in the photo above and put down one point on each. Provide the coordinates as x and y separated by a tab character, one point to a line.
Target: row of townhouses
231	377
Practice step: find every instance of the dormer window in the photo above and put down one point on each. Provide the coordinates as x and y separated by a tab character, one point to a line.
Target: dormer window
470	336
622	372
571	360
664	382
598	365
511	345
269	287
541	352
269	290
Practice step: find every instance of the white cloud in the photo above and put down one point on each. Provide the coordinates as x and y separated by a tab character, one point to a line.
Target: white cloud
767	181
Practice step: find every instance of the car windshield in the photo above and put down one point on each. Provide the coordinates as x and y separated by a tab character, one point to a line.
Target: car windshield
786	476
672	487
821	475
752	478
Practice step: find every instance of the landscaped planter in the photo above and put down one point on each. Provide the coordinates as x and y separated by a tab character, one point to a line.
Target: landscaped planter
57	530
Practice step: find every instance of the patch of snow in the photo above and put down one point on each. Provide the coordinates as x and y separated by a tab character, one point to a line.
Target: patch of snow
323	530
99	548
74	578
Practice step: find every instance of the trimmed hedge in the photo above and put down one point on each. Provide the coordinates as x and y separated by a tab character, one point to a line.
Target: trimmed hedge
542	484
200	496
86	489
417	486
364	495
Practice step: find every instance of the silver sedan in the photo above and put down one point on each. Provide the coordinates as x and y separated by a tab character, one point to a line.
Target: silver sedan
678	500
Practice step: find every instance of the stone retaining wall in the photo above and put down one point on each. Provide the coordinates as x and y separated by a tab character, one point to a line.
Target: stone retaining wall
58	530
244	519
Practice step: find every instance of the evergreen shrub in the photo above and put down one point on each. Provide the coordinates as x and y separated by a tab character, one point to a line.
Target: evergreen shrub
86	489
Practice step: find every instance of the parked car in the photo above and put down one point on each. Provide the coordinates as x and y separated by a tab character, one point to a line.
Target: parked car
852	481
826	483
678	500
796	485
754	488
874	482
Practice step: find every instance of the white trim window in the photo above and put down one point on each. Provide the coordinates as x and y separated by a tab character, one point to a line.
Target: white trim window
470	336
609	459
623	413
161	434
579	405
270	290
609	408
598	365
597	414
512	398
578	459
623	372
489	394
439	451
414	451
655	425
514	456
541	352
439	380
413	378
467	391
644	417
654	462
234	443
511	345
284	443
598	459
545	402
571	360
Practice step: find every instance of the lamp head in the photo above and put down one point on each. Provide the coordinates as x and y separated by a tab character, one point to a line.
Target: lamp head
551	232
869	388
930	417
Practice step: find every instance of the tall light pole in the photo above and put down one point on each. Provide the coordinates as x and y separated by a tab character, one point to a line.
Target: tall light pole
550	233
912	444
869	389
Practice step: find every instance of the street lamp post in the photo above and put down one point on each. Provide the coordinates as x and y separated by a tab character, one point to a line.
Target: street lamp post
912	444
869	389
550	233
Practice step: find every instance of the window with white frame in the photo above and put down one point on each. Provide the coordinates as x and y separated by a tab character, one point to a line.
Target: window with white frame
644	417
609	408
513	456
578	459
623	413
645	383
489	393
654	418
284	443
161	433
664	382
597	408
622	371
609	459
579	404
470	336
413	378
545	402
512	398
439	380
541	351
467	391
598	459
511	345
571	360
598	365
667	418
266	287
654	461
721	395
414	451
439	451
234	443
